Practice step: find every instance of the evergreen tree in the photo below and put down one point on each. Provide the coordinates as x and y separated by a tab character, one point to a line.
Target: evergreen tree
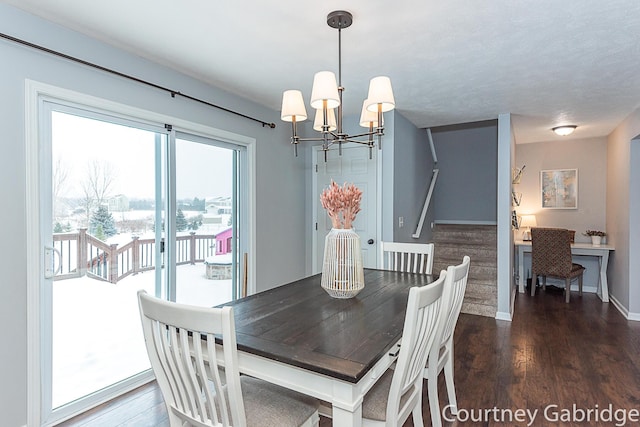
195	223
102	217
57	228
181	221
198	204
99	233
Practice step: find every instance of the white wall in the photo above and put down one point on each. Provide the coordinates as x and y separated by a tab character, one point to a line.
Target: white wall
589	156
280	198
634	231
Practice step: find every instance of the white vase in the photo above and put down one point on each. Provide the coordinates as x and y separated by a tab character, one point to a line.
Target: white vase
596	240
342	270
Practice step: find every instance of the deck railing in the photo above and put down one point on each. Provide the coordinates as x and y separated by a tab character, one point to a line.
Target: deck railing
84	254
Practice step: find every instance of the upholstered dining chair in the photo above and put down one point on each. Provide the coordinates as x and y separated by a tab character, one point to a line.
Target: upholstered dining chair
407	257
441	355
551	256
180	341
398	393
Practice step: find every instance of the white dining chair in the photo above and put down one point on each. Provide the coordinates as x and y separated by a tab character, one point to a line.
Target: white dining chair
441	356
180	341
407	257
398	393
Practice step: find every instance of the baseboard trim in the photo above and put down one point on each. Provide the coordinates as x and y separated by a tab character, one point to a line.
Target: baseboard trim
635	317
463	222
502	315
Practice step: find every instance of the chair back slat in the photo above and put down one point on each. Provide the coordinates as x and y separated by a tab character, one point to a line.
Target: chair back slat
184	356
407	257
422	320
454	288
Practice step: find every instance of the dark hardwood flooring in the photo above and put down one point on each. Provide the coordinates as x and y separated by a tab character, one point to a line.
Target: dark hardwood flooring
584	353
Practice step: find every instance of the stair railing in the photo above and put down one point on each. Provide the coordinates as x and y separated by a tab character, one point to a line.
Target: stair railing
434	177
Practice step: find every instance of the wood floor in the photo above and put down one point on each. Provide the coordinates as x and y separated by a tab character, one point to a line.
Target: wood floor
583	353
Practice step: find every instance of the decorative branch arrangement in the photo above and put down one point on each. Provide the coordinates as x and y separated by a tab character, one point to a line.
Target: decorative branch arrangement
341	203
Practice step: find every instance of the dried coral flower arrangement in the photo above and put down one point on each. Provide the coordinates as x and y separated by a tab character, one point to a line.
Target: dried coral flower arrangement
342	268
341	203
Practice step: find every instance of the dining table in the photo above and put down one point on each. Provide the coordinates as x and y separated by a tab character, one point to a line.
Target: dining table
297	336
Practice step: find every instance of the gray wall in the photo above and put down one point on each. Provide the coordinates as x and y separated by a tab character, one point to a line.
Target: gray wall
387	176
623	215
468	162
280	213
412	165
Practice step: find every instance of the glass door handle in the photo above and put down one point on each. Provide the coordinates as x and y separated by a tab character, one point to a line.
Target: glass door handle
50	261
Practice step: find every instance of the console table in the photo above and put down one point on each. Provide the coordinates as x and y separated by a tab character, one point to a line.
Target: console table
602	252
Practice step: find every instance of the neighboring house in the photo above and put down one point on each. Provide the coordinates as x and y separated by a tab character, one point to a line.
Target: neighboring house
218	206
118	203
217	214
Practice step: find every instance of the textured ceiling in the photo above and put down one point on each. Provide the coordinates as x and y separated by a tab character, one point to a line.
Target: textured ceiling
548	62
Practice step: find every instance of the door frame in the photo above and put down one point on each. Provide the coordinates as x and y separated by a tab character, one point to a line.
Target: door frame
316	156
35	94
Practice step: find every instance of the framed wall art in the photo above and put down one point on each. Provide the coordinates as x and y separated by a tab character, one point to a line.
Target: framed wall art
559	188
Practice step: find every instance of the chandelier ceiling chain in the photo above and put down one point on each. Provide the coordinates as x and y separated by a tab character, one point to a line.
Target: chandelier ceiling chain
326	97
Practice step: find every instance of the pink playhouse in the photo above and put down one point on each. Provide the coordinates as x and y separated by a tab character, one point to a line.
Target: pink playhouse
223	241
219	265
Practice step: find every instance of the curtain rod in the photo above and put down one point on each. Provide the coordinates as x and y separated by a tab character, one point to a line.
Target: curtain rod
127	76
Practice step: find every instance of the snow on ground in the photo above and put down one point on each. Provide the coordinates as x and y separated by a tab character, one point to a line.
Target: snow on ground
97	334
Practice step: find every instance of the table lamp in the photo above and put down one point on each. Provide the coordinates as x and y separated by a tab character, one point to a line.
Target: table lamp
527	222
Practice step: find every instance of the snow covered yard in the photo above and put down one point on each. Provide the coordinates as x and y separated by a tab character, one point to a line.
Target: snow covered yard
97	335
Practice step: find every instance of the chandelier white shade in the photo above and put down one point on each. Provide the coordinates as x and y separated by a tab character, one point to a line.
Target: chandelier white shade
325	89
380	94
318	122
326	99
293	106
368	118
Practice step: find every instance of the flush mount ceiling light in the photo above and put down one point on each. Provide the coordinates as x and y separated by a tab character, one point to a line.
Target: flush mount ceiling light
326	98
564	130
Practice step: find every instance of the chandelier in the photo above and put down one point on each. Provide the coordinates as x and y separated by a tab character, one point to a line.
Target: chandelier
326	98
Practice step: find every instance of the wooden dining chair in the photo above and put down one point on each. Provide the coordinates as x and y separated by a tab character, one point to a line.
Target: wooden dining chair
407	257
551	256
398	393
442	355
180	341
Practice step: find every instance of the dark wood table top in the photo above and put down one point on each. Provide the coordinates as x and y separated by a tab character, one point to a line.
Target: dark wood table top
301	325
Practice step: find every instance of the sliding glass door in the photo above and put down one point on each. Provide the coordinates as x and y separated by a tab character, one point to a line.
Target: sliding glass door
126	205
206	221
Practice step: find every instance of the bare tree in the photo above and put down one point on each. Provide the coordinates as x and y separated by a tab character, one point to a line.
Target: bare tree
59	184
96	188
